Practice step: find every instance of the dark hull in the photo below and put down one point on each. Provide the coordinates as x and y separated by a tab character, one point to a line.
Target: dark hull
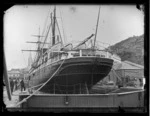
75	74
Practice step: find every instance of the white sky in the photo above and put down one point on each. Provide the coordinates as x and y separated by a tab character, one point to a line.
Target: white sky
117	22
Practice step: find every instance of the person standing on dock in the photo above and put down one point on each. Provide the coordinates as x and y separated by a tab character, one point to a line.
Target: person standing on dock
12	85
16	84
22	85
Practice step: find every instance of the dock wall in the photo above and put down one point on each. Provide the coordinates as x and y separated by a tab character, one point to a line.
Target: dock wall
128	99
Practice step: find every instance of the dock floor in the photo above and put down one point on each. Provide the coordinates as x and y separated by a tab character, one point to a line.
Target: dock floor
14	98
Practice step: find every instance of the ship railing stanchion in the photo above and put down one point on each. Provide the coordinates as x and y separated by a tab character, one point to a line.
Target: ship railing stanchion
80	53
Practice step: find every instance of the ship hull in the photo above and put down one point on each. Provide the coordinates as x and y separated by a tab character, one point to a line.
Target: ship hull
75	74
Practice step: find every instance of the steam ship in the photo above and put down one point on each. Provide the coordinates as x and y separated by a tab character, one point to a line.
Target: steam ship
69	69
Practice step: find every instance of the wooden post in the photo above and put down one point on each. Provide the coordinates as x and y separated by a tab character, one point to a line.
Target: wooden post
80	88
6	78
74	89
54	88
86	88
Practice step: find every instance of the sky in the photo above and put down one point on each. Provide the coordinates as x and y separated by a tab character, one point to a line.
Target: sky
116	23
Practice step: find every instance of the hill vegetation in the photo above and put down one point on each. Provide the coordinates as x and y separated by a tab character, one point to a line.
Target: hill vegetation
131	49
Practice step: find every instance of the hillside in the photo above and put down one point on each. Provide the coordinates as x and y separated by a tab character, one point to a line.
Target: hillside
130	49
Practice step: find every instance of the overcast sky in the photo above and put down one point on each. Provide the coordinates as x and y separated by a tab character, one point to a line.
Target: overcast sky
116	23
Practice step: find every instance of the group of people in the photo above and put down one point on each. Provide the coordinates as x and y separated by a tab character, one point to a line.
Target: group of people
16	84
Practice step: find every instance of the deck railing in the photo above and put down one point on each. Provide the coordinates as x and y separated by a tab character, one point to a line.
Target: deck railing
88	53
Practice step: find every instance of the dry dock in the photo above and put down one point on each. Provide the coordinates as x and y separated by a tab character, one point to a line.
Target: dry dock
80	102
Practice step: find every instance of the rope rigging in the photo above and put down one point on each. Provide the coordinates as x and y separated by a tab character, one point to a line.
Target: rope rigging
46	35
65	37
39	44
41	86
59	33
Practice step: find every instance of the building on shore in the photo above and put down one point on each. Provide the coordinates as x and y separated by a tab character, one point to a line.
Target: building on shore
127	72
15	74
20	73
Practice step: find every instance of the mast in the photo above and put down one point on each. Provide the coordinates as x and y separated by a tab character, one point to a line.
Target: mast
96	28
53	28
38	42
